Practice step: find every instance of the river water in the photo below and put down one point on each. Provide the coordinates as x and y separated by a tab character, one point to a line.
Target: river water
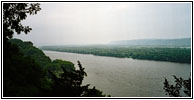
125	77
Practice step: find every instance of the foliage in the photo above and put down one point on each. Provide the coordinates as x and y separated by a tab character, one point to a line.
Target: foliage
175	90
45	62
22	76
24	65
13	14
56	65
70	84
182	55
29	50
70	80
93	93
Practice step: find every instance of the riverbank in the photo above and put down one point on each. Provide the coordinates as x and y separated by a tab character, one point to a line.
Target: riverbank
123	77
180	55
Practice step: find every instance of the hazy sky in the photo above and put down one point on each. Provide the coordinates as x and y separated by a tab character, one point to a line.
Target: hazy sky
88	23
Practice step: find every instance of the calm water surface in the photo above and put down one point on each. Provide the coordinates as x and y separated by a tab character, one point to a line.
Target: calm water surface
125	77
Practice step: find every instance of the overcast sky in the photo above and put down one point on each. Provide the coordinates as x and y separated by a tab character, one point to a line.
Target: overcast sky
102	22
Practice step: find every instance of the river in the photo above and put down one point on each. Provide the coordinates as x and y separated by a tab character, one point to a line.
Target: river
125	77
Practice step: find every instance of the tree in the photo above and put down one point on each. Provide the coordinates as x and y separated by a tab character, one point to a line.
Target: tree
70	84
94	93
13	14
22	76
180	85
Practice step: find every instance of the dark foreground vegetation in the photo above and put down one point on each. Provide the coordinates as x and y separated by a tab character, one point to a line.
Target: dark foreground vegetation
27	72
180	88
181	55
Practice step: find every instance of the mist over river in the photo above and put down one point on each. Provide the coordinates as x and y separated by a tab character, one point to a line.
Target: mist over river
125	77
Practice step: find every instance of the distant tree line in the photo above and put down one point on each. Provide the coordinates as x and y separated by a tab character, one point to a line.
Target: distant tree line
181	55
27	72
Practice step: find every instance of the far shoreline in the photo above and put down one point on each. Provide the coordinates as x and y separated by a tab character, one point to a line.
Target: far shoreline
113	57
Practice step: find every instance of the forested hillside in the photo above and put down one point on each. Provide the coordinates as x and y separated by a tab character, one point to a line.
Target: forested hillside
182	42
29	50
39	57
34	74
27	72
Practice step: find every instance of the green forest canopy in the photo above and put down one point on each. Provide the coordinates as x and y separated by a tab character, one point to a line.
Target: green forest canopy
181	55
46	77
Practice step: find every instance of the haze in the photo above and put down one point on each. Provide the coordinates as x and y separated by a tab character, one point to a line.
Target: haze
101	22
